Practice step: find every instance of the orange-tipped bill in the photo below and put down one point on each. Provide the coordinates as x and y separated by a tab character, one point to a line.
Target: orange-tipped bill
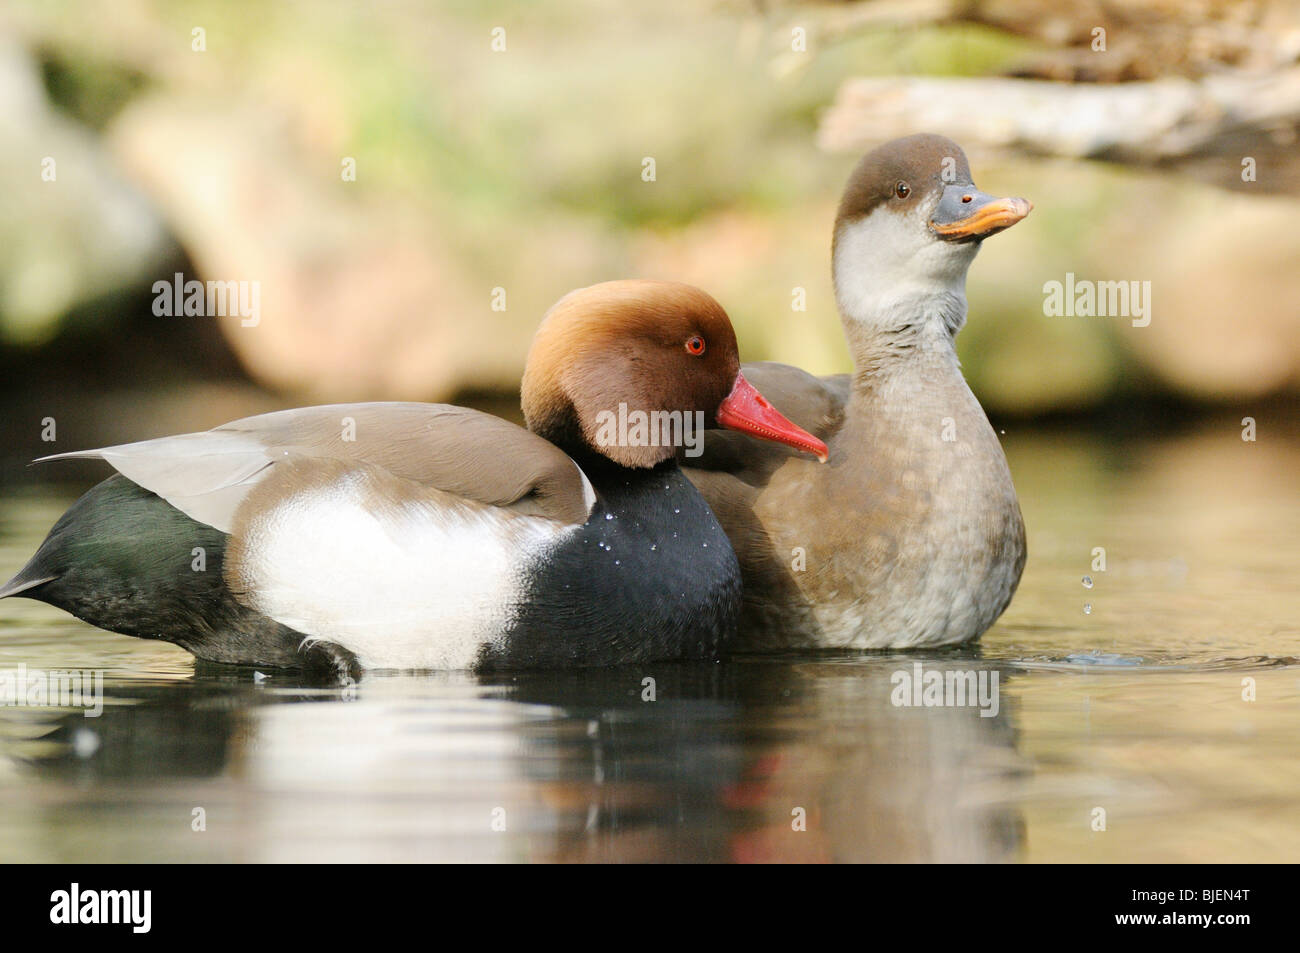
748	411
973	215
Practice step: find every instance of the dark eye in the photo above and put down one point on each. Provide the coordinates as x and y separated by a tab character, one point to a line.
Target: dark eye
695	345
902	190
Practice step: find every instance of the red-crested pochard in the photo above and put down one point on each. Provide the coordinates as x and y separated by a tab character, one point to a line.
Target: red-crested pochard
912	536
426	536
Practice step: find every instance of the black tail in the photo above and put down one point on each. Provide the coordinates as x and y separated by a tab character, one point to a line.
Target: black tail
23	584
126	560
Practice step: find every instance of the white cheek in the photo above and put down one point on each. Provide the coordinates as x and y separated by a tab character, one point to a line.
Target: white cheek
887	259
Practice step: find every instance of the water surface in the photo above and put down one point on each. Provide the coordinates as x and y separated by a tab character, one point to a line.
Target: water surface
1136	708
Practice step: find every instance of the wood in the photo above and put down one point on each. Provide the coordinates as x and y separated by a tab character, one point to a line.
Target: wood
1203	128
1191	87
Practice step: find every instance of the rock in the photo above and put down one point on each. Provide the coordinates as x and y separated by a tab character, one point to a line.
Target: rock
85	234
359	298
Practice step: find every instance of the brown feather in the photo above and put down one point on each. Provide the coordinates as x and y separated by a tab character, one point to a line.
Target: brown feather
624	342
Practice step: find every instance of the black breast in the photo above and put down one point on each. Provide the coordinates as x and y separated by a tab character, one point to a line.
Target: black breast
651	576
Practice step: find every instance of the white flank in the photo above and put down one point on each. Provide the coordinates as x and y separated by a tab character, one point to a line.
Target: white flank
416	584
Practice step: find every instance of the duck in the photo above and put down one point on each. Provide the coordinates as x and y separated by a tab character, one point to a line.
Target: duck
348	538
912	536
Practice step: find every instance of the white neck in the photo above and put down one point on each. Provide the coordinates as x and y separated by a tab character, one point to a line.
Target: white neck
899	290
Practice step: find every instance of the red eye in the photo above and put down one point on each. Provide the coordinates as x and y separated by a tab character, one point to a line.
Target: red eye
695	346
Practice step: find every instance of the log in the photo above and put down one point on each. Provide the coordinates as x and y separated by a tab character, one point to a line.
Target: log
1204	127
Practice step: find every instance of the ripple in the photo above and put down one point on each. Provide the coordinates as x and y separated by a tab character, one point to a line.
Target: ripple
1096	661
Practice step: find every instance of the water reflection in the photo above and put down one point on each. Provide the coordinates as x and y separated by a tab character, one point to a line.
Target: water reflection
1171	707
717	767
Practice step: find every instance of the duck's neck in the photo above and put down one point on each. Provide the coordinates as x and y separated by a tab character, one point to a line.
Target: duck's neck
891	335
909	397
604	472
564	431
902	299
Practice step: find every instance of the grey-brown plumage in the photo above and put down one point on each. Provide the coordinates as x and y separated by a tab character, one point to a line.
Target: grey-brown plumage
912	535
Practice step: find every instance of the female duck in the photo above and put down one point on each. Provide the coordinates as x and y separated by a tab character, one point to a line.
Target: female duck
426	536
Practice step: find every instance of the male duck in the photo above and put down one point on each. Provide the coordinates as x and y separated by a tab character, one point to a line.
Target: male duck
426	536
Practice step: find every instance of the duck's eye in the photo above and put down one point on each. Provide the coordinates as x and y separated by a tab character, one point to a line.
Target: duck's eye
695	345
902	190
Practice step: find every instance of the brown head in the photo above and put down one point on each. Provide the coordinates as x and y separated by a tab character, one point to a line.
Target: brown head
909	224
652	347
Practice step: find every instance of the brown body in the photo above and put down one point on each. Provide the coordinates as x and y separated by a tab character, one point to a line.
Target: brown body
902	538
912	534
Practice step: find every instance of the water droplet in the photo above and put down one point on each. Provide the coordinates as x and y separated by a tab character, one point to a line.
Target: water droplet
85	742
706	545
1087	608
618	562
676	510
609	516
1087	582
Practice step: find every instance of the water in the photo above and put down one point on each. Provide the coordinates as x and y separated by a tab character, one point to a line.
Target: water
1135	709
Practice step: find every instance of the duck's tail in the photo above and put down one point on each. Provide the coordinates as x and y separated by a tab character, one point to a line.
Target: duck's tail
21	583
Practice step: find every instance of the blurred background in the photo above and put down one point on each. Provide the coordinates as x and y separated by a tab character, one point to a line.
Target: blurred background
412	184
